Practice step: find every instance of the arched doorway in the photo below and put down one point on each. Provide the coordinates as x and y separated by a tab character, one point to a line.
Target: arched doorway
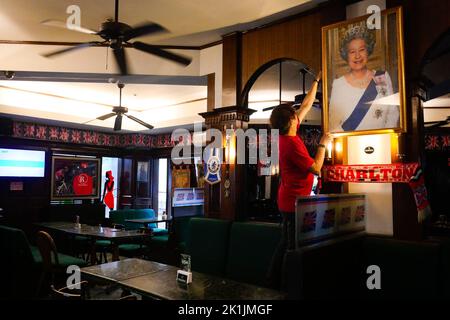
278	81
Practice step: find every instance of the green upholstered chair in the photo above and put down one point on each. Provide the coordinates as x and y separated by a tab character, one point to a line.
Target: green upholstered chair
208	245
18	270
53	264
250	251
119	217
180	232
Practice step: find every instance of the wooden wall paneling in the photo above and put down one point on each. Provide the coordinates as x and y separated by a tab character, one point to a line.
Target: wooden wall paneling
297	39
211	94
231	82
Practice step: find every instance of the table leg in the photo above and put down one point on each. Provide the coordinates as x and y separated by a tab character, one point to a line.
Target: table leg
93	253
115	251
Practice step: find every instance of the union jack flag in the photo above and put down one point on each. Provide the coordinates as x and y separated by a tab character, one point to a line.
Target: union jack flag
328	219
76	136
29	130
432	143
445	141
345	216
180	197
140	139
64	135
87	137
360	213
133	139
17	129
106	140
94	137
40	132
116	140
309	221
54	133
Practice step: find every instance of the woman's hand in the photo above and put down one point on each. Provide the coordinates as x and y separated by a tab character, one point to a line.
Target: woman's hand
319	76
326	138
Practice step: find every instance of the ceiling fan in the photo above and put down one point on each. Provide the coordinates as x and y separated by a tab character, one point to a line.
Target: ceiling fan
117	35
119	112
300	97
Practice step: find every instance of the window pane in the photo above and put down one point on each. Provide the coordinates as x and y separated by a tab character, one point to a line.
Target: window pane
162	189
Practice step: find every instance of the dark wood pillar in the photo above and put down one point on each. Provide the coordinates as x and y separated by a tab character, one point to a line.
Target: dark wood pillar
211	95
232	69
227	199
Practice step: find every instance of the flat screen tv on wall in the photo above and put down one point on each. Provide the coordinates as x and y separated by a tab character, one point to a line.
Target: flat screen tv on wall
75	178
22	163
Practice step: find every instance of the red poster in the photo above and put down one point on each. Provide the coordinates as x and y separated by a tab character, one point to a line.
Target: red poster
82	185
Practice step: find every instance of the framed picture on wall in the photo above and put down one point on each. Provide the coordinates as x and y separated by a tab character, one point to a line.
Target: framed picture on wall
181	178
363	75
75	178
142	171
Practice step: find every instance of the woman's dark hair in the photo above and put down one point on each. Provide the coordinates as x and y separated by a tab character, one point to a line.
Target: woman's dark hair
281	118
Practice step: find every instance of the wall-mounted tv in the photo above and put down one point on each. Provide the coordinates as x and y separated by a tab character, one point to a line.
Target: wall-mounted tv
22	163
75	178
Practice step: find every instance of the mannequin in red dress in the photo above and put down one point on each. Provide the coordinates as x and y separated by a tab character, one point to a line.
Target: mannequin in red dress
108	197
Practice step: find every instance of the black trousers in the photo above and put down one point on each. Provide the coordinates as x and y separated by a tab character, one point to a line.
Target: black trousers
287	242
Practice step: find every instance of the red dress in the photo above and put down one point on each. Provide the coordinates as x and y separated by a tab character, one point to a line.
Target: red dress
109	187
296	179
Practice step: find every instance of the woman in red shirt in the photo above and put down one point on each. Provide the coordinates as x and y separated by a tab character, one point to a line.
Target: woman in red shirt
297	170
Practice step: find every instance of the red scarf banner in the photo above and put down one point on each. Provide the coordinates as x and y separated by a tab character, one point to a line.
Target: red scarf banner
384	173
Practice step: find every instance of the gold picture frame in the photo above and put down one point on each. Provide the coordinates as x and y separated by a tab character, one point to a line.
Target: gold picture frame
375	102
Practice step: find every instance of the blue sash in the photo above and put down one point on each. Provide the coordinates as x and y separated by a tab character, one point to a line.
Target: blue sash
361	108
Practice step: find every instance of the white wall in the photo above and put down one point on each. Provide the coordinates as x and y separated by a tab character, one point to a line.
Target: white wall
379	195
211	62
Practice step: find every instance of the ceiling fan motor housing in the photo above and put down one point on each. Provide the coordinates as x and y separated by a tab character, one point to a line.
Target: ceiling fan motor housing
120	110
113	30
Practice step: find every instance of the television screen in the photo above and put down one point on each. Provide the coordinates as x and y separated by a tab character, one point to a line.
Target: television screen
22	163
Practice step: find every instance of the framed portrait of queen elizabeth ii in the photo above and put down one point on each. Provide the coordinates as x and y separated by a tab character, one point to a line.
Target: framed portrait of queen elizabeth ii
363	75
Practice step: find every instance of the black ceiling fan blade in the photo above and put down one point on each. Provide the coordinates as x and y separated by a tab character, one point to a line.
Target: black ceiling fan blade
64	25
118	123
80	46
121	60
106	116
145	124
161	53
142	30
269	108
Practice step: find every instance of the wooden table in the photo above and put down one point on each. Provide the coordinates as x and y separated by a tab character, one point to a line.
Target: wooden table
94	233
158	281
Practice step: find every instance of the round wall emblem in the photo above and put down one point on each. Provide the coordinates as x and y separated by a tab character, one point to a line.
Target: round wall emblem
369	150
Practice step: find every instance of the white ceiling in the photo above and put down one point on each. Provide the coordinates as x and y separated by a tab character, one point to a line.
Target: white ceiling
192	23
20	19
83	102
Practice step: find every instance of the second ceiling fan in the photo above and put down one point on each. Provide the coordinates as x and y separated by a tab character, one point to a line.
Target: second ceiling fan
117	35
119	112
